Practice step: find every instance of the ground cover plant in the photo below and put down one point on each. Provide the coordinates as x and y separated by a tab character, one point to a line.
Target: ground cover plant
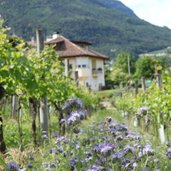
95	145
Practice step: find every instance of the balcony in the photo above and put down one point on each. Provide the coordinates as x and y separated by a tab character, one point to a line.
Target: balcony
96	71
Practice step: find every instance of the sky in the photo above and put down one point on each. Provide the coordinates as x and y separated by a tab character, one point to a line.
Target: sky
157	12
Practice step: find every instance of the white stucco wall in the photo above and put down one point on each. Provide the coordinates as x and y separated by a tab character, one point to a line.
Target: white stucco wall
85	70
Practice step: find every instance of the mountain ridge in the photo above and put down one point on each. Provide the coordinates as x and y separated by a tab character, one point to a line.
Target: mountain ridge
109	25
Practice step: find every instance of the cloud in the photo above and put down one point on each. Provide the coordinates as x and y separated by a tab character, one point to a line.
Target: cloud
154	11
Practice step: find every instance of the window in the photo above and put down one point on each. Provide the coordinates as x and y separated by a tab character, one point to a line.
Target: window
99	69
70	67
84	66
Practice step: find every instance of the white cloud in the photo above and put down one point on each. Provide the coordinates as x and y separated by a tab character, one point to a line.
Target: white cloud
157	12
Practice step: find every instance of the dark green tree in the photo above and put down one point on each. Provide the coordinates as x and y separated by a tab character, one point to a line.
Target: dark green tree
126	62
122	69
146	66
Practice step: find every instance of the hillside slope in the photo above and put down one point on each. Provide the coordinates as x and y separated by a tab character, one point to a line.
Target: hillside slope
109	24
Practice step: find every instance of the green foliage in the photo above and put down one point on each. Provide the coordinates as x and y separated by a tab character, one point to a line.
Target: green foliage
157	100
146	66
90	99
105	93
122	60
118	76
86	20
122	69
32	76
2	163
125	105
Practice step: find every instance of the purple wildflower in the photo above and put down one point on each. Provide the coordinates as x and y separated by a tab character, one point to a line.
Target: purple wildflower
121	127
134	165
60	149
53	151
88	156
119	138
105	148
56	134
73	162
128	149
113	131
126	163
133	136
143	110
96	168
147	150
73	103
140	154
118	156
29	166
73	118
118	127
59	139
82	114
168	153
49	165
12	166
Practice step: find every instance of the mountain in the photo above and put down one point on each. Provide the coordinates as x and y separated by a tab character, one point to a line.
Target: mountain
108	24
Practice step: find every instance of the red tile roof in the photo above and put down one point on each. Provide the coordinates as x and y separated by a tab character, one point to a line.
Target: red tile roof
66	48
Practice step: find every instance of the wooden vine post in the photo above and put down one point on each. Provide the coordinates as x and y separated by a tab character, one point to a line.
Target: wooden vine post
159	85
43	102
33	111
14	106
143	84
2	142
136	87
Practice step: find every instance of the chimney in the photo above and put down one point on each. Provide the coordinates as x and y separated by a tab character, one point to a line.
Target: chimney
55	35
32	39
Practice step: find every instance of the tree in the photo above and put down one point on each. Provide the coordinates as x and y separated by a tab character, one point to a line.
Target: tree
122	69
146	66
117	76
126	62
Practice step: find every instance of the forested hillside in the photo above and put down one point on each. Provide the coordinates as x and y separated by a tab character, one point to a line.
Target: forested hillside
109	25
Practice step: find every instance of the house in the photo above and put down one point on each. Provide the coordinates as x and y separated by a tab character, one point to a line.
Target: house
82	64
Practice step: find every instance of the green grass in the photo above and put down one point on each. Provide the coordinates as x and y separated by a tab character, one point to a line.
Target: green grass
101	115
105	93
108	93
